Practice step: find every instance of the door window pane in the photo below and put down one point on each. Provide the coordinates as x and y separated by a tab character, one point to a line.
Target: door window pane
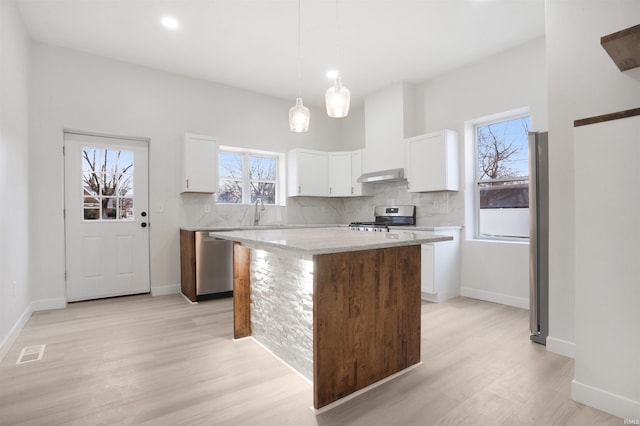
107	184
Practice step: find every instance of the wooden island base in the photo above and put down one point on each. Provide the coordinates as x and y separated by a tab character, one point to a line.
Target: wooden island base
366	316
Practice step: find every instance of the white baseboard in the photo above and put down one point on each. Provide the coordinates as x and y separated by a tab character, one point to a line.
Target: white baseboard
165	289
440	297
561	347
504	299
47	304
36	305
8	341
611	403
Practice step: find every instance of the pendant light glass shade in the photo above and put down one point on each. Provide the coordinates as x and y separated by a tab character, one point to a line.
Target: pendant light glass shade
299	117
337	100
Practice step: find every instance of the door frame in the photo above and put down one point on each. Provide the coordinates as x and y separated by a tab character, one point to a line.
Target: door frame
146	140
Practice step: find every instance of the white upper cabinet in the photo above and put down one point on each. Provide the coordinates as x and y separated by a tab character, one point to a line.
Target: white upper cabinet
432	162
325	174
357	189
199	164
308	173
340	174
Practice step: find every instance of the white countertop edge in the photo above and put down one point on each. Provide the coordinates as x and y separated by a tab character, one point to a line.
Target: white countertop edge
300	226
307	253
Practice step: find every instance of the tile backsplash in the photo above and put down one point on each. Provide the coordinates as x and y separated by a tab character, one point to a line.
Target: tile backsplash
432	209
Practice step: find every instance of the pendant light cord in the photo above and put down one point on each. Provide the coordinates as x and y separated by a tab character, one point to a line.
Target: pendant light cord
299	50
337	35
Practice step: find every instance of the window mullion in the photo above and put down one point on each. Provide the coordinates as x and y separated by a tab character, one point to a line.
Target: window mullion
246	185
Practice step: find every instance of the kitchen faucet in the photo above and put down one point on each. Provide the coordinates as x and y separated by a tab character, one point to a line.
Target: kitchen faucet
256	213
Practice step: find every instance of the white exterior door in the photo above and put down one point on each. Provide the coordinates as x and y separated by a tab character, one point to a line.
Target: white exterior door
106	216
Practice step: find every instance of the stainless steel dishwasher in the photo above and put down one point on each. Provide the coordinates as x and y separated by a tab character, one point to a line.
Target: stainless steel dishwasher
214	267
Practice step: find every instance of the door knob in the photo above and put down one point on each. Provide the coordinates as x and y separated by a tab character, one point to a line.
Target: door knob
143	224
143	214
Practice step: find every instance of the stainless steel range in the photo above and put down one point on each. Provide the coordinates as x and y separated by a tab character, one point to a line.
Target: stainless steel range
386	216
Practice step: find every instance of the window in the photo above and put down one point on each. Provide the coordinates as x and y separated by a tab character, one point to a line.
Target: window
502	182
107	184
247	175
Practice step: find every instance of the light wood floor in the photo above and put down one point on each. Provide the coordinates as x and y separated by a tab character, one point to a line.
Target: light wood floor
160	361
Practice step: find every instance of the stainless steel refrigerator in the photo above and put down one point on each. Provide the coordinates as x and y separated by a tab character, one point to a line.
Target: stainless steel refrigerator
539	236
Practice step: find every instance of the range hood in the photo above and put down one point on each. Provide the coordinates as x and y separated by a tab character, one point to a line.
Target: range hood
393	175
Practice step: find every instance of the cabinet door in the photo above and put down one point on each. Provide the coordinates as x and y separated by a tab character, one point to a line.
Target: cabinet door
433	162
357	188
427	269
308	173
340	174
199	164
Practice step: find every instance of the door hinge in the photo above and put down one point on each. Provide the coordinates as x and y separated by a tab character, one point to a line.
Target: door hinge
63	150
64	213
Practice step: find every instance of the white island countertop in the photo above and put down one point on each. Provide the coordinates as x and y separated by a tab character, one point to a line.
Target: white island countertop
308	242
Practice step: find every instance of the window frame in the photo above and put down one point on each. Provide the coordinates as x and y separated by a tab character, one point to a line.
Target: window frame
481	122
245	180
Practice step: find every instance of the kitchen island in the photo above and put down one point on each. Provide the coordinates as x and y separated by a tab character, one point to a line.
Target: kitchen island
341	307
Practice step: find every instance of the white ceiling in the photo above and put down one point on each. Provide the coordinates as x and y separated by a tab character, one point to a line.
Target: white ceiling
253	44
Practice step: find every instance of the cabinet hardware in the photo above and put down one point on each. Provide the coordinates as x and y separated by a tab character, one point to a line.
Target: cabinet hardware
299	189
187	183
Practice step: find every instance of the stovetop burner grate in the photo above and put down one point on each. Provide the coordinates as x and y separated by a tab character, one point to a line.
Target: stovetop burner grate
368	226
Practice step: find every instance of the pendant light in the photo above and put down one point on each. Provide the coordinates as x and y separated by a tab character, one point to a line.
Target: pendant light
337	100
299	114
337	97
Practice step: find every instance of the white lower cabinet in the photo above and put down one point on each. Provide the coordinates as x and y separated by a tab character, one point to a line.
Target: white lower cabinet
440	272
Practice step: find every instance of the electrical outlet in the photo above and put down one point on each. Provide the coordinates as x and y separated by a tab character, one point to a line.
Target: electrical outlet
207	208
160	208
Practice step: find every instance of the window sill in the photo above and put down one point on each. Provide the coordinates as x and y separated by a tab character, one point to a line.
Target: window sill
498	241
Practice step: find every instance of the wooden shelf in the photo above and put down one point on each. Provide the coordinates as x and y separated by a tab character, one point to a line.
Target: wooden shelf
623	47
607	117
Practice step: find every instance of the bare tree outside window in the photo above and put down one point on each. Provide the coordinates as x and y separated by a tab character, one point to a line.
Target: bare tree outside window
231	174
501	147
502	171
245	177
262	175
107	177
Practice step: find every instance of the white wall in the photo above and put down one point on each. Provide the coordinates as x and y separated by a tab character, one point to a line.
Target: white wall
78	91
594	87
607	370
516	78
352	133
583	82
14	175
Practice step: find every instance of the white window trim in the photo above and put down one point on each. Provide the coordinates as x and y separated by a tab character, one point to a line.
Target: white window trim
281	196
472	200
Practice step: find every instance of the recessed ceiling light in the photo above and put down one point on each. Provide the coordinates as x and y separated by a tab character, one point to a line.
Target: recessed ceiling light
332	74
170	22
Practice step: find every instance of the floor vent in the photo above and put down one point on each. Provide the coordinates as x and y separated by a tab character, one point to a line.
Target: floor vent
31	353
